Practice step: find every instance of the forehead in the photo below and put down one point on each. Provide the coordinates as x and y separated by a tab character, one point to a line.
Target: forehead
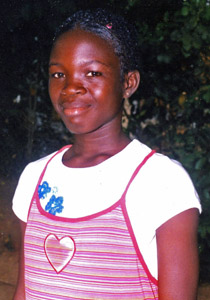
81	45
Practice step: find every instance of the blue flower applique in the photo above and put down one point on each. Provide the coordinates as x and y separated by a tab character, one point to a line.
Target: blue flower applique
54	205
43	190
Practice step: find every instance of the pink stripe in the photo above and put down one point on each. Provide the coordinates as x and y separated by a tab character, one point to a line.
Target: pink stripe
154	280
106	264
80	278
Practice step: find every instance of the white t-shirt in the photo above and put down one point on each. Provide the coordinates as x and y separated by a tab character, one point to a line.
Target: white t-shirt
161	190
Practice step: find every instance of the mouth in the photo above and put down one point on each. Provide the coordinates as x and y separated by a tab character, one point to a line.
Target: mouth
74	108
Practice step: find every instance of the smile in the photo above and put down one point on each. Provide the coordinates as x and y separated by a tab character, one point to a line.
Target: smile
74	109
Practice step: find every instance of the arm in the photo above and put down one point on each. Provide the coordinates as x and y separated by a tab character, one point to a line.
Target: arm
178	257
20	289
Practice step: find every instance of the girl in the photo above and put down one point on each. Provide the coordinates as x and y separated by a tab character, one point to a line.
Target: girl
104	218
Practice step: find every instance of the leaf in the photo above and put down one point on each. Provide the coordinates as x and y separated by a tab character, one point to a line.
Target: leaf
196	43
200	163
166	17
187	42
163	58
184	11
206	194
202	231
207	13
206	96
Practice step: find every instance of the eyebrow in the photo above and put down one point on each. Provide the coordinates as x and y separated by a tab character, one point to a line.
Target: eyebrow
82	63
95	61
54	64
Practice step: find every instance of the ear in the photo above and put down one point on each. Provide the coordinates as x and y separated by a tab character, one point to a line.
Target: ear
131	83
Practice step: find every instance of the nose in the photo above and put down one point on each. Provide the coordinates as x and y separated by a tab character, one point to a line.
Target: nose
73	87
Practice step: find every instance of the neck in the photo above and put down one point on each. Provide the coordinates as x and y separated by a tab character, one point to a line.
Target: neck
93	148
98	144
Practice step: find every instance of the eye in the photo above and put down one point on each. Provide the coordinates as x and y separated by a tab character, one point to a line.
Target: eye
93	74
57	75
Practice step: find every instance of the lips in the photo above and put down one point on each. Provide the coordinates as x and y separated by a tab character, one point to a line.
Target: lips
74	108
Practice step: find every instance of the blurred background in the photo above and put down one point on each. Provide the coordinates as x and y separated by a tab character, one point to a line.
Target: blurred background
170	112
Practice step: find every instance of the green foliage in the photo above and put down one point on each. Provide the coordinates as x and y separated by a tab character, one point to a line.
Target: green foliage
173	111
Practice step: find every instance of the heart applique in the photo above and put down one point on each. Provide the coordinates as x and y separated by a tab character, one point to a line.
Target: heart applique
59	252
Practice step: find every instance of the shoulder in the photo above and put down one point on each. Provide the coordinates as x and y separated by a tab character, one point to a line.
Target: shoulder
161	190
36	165
135	153
157	166
33	170
169	175
26	186
160	170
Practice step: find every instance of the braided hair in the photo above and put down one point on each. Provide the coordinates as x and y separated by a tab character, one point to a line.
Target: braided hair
119	33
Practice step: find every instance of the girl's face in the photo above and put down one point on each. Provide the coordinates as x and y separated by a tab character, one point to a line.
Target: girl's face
85	84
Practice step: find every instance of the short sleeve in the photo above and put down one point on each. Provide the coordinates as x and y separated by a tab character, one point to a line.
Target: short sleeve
176	193
26	187
161	190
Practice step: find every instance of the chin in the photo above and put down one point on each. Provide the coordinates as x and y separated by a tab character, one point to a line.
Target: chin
77	129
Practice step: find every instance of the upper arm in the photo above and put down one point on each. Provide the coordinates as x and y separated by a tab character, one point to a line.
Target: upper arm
20	289
178	257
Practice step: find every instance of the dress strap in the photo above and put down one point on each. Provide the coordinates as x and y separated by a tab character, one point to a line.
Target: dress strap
137	170
42	174
43	171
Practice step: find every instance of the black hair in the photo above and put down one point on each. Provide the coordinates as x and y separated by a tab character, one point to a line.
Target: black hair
119	33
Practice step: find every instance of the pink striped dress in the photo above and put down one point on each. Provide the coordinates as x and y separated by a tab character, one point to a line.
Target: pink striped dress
93	257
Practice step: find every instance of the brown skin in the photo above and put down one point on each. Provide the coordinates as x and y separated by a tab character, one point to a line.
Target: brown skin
178	257
86	91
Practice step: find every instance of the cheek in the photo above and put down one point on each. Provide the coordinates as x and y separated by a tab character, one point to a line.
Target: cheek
50	89
53	91
54	98
100	93
108	89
